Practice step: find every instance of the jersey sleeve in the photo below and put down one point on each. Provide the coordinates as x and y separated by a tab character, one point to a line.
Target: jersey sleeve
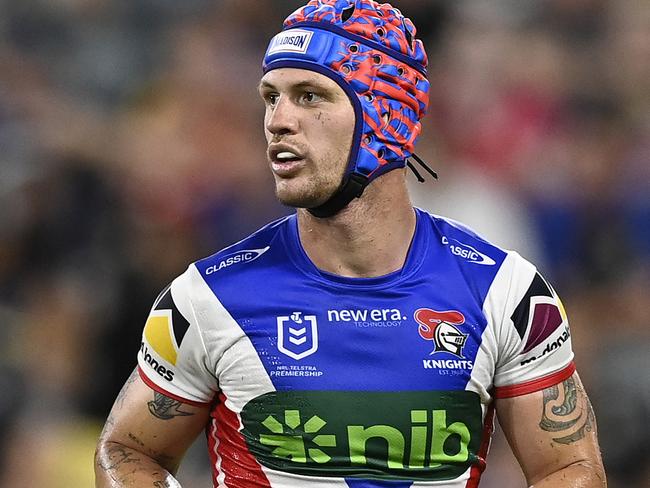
534	337
173	359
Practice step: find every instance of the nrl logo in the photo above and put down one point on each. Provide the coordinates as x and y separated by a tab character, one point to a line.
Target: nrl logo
440	327
297	335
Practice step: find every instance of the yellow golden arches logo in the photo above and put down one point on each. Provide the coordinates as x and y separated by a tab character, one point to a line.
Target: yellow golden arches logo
160	336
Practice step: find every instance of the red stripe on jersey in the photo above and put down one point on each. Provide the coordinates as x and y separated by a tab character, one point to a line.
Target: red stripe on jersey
162	391
477	469
536	384
211	435
227	446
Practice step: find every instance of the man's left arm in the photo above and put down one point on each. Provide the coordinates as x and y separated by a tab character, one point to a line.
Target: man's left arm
552	433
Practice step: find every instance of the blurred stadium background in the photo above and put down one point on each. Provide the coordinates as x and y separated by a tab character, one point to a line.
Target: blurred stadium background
131	144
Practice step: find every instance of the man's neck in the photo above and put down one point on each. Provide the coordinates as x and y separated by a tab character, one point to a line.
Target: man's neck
370	237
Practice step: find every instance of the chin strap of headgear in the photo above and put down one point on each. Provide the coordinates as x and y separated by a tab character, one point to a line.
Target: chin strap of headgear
351	188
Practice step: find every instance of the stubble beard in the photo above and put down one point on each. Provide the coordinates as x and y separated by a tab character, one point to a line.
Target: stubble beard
308	190
312	193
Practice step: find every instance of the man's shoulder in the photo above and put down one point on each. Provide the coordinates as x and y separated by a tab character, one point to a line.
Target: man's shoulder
489	269
238	266
463	242
247	250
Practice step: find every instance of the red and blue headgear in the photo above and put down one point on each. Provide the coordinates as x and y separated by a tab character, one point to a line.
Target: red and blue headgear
370	50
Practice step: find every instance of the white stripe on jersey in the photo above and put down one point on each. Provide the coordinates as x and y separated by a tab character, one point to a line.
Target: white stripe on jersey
231	354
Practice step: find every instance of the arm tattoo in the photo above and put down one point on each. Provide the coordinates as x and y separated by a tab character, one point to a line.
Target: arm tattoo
119	401
135	439
116	456
162	459
569	413
121	464
166	408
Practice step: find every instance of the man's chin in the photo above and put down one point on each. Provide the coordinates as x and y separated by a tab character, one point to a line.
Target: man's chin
300	199
299	202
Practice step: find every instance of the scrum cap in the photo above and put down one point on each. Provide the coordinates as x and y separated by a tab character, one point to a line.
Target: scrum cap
370	50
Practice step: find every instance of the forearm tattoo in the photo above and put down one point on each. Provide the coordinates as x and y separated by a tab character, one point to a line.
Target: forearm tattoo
123	464
162	484
117	456
166	408
567	413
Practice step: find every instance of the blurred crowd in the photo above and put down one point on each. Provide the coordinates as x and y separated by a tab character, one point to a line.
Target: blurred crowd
131	144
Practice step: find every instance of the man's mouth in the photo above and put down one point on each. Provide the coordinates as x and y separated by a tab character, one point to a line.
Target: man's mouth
285	161
287	157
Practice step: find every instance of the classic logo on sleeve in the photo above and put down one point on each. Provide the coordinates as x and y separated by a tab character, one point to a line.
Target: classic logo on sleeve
467	252
242	256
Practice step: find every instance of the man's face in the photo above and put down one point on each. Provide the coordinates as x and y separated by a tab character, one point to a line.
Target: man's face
309	124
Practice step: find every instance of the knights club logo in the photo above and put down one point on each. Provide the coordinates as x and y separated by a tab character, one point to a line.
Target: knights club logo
440	327
297	335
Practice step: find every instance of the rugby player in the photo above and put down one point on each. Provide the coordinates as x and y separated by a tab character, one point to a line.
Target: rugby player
359	342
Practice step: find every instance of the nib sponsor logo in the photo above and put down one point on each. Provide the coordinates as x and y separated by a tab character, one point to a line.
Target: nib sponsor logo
167	374
292	447
423	436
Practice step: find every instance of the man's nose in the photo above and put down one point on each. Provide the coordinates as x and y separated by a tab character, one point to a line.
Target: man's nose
282	118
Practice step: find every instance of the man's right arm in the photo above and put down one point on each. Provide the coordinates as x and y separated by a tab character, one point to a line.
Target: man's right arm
145	437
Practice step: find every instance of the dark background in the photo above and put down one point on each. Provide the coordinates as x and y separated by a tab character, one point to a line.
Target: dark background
131	144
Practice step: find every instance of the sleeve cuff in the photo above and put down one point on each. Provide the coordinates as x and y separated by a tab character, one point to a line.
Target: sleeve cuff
537	384
162	391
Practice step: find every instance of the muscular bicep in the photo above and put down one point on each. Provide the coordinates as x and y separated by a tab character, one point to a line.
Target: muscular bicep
151	423
551	430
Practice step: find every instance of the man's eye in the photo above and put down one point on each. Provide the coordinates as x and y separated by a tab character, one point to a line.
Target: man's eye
311	97
271	98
